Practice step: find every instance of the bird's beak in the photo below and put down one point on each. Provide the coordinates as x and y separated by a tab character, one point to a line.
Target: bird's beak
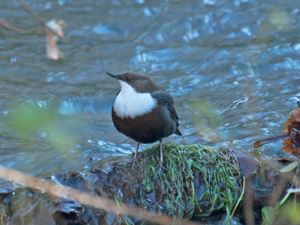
116	76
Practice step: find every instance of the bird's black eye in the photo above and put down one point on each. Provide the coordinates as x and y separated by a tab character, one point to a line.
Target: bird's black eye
129	79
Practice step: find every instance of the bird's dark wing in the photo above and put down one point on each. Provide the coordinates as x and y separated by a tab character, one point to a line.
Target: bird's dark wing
166	99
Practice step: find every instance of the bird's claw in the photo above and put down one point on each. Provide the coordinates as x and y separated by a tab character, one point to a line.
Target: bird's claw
135	162
160	164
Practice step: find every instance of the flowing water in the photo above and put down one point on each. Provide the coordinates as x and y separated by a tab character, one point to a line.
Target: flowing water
231	66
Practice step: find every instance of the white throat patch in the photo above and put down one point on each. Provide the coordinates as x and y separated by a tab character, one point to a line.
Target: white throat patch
129	103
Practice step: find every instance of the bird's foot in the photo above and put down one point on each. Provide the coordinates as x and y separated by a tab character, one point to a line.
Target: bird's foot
134	162
160	164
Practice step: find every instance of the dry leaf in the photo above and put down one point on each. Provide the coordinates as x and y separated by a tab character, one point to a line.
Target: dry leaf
287	147
291	134
52	50
287	123
292	128
295	114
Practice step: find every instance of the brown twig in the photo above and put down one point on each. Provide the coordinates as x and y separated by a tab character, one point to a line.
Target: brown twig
10	27
85	198
35	16
262	142
296	130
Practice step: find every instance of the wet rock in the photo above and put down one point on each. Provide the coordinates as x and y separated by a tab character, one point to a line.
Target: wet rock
198	181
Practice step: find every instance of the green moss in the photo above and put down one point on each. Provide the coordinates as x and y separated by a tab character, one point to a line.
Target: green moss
186	166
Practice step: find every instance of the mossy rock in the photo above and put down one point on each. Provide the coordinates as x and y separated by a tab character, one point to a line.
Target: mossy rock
196	181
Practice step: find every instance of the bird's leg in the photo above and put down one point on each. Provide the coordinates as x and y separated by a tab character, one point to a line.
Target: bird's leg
136	152
160	162
161	159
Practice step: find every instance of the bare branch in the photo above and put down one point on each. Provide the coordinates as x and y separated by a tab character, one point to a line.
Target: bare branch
85	198
10	27
35	16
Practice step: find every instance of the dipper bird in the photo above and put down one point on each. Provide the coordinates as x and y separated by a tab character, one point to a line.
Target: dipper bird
143	110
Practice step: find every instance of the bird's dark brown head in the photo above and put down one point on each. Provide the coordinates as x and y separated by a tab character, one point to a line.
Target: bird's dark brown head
140	82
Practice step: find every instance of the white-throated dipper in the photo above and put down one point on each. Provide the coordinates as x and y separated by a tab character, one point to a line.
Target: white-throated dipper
143	110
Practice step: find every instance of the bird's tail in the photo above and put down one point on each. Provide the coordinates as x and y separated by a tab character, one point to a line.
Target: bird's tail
178	132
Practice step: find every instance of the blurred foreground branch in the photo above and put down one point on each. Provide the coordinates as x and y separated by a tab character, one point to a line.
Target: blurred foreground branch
85	198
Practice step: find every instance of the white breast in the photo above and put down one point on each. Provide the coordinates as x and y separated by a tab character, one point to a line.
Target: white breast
129	103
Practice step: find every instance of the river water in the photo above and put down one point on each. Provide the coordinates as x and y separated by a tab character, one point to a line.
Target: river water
231	66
